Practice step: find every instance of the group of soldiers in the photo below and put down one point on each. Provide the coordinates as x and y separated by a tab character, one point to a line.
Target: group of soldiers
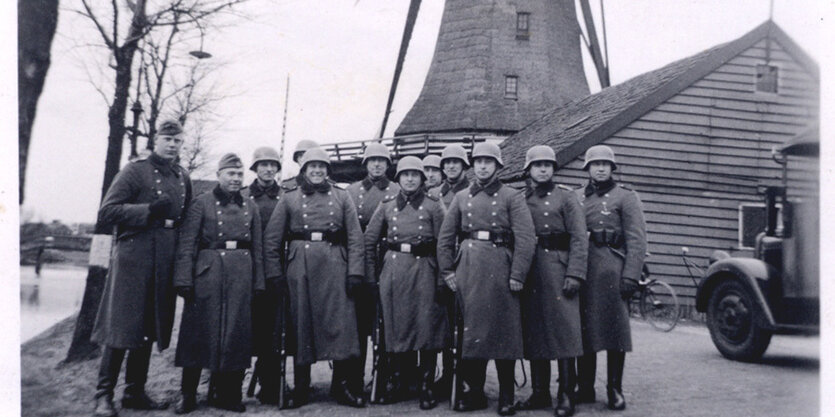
433	262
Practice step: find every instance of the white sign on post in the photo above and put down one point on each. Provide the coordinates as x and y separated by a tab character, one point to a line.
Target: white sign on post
100	250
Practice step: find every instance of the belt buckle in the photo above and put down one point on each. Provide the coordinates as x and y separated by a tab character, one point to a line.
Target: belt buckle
482	235
316	236
169	224
405	248
231	244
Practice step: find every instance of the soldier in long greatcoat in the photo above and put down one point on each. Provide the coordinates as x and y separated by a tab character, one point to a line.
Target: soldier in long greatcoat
323	269
550	306
367	195
146	203
264	192
488	272
617	247
409	283
219	268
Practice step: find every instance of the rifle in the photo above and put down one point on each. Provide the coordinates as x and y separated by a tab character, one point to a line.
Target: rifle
457	348
282	348
250	391
378	385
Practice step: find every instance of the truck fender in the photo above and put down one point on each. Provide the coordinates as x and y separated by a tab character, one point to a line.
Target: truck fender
753	273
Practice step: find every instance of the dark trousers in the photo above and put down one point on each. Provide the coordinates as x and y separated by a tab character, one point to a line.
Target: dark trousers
475	371
587	368
226	385
136	371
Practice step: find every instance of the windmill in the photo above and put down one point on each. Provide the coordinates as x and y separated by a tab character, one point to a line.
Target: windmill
498	65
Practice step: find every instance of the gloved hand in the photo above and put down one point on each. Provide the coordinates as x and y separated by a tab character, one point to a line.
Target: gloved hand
450	281
516	286
353	284
159	208
443	294
628	286
186	292
570	287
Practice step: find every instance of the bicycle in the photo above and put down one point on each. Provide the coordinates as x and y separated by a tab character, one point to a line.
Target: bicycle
656	301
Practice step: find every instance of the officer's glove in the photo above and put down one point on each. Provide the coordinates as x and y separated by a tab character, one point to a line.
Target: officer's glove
443	294
449	279
570	287
186	292
516	286
159	208
628	286
353	284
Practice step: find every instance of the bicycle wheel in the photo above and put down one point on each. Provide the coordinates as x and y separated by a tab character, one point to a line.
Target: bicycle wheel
659	306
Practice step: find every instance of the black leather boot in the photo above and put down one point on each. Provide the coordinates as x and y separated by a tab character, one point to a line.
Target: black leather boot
473	375
228	391
586	369
136	373
541	385
341	389
111	364
428	360
301	392
268	374
443	386
614	369
504	370
567	383
188	390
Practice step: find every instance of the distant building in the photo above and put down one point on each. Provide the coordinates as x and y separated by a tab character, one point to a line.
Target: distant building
695	139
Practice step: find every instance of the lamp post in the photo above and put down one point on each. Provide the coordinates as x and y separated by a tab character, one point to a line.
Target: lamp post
136	109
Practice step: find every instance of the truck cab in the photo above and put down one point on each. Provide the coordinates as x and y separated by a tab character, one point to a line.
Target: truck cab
747	300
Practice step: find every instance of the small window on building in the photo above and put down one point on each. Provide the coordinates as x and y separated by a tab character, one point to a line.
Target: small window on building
766	81
752	221
511	86
523	21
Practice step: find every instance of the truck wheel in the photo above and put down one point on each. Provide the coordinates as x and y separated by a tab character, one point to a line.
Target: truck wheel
732	320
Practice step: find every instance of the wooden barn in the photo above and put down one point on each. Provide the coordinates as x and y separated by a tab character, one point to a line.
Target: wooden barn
695	139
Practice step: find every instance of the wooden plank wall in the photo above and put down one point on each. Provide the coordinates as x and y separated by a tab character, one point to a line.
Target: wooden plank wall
696	157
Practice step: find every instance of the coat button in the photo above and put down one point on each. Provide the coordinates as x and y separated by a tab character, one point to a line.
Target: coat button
331	213
470	214
494	213
394	219
547	203
494	203
159	180
223	254
220	234
420	227
545	214
305	226
304	205
306	245
330	203
420	217
469	204
420	207
217	203
218	212
220	222
394	228
304	215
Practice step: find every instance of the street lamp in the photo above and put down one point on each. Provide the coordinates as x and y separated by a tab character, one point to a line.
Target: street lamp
136	109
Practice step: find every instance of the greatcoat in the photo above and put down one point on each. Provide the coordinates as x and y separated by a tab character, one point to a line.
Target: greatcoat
367	195
491	312
611	210
138	303
264	308
446	191
551	321
323	317
412	318
216	327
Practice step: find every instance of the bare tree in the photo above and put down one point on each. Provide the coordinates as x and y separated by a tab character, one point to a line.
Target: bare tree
143	22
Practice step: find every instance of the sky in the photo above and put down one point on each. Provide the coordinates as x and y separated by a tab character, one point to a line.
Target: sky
340	56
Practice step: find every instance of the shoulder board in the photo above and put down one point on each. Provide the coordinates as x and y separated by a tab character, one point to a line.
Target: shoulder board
337	186
521	187
431	197
565	187
140	158
289	187
388	198
625	187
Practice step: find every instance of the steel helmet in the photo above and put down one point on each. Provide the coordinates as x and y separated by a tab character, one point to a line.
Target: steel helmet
302	146
265	153
409	163
376	150
455	151
599	153
315	154
488	150
540	153
431	161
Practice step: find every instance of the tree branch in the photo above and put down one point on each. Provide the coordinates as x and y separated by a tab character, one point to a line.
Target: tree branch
109	42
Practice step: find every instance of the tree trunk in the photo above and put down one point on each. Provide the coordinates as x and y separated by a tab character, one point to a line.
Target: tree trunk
36	22
82	347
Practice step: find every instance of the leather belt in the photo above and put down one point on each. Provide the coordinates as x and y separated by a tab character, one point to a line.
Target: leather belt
166	223
554	241
497	238
610	237
423	248
336	237
226	244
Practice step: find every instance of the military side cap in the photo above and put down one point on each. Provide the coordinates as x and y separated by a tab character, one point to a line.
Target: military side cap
229	160
170	127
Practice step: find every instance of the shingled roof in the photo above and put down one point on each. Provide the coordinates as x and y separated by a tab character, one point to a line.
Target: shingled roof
583	123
